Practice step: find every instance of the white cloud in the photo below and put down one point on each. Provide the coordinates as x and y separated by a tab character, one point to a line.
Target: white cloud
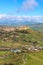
21	18
29	4
2	15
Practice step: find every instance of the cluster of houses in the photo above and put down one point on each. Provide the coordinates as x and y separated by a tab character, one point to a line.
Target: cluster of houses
8	29
23	49
28	49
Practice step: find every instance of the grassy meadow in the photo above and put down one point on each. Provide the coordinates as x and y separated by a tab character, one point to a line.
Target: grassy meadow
18	59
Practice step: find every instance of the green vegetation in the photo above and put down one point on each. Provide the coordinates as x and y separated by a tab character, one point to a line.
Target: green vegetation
17	38
34	58
23	59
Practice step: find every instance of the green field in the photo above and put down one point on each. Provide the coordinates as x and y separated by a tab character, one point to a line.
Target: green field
23	59
34	58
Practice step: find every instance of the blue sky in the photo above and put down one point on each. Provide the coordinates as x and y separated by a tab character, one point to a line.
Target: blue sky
22	7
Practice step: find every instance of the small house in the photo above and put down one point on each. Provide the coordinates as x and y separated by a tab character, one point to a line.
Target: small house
16	50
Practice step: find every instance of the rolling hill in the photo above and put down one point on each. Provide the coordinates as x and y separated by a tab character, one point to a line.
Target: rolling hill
38	27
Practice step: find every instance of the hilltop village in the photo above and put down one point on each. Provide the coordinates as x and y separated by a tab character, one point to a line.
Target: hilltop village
17	36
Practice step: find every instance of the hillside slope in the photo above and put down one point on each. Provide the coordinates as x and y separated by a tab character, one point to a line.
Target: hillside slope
23	35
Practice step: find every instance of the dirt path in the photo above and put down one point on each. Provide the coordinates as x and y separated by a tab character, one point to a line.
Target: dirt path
23	59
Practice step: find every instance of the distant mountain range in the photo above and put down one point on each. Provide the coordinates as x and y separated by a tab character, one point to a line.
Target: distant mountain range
18	23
